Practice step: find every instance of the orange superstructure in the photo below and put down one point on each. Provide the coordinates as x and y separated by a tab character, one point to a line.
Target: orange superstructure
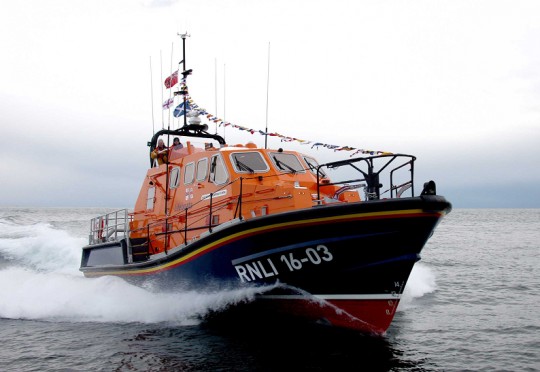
197	178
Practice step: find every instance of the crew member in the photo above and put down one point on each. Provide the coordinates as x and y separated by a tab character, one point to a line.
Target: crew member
176	143
160	153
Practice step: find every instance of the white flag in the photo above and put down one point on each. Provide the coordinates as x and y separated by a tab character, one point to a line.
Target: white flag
168	103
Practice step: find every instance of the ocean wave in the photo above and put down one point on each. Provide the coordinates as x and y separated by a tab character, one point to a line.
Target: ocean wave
27	294
41	247
39	271
421	282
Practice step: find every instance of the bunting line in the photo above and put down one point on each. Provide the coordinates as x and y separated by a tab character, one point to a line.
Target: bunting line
192	106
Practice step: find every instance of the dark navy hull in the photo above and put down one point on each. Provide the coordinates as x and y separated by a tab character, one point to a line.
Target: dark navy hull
355	256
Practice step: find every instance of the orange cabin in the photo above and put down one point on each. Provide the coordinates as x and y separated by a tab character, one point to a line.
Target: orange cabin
207	188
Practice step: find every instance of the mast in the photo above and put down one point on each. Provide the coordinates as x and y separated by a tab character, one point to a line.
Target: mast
168	154
184	73
267	89
215	68
224	118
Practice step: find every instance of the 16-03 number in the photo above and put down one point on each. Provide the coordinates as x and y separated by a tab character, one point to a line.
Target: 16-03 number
312	255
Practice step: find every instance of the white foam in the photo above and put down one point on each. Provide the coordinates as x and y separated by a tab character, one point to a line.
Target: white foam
41	247
44	282
27	294
421	281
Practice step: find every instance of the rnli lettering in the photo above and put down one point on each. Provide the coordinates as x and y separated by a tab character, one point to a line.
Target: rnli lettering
265	268
256	270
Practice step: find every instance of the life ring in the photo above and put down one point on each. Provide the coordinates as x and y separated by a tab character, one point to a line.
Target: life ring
99	230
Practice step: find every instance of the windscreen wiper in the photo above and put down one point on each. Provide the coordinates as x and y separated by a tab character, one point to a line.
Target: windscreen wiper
279	164
241	165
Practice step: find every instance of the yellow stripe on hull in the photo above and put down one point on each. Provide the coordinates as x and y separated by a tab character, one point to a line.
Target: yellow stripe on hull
256	230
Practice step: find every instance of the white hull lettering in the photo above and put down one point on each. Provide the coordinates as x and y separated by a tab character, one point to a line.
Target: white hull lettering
314	256
215	195
256	270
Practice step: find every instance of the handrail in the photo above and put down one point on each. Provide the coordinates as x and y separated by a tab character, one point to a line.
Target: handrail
102	228
192	215
392	188
213	207
372	189
192	211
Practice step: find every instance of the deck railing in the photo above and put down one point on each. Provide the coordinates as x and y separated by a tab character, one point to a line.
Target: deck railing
183	218
113	226
371	175
187	219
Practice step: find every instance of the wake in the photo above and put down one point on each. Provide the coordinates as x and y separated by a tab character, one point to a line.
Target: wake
40	280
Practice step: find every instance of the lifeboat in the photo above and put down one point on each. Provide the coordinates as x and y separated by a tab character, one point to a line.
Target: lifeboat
219	217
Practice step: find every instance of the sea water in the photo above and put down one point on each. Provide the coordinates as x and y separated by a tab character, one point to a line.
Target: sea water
471	304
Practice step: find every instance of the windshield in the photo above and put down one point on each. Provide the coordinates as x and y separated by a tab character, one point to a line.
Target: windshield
287	163
249	162
218	172
312	166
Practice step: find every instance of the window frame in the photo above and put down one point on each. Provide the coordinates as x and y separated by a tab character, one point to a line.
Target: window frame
323	173
233	162
172	187
153	198
224	166
286	153
207	173
192	178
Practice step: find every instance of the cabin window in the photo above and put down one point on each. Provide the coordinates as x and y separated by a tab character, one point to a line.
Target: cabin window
174	178
286	163
249	162
150	198
312	166
189	173
218	172
202	169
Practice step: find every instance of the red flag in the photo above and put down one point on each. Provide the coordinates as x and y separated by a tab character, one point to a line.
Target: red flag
174	79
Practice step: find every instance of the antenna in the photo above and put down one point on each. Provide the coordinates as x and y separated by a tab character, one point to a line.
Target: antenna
152	96
224	118
215	68
161	66
267	89
170	87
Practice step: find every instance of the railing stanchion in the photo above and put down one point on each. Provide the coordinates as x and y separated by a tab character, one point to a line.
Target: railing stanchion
166	235
148	237
318	190
91	239
185	229
392	185
412	177
210	222
240	199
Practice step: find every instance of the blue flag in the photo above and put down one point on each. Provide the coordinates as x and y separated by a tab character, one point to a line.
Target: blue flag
179	110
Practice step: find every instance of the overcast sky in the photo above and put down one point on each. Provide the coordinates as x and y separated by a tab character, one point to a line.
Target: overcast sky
456	83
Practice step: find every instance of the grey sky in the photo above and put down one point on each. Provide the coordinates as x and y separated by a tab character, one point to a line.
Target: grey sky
457	83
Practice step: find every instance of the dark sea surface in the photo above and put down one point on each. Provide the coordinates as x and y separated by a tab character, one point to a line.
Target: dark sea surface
471	304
